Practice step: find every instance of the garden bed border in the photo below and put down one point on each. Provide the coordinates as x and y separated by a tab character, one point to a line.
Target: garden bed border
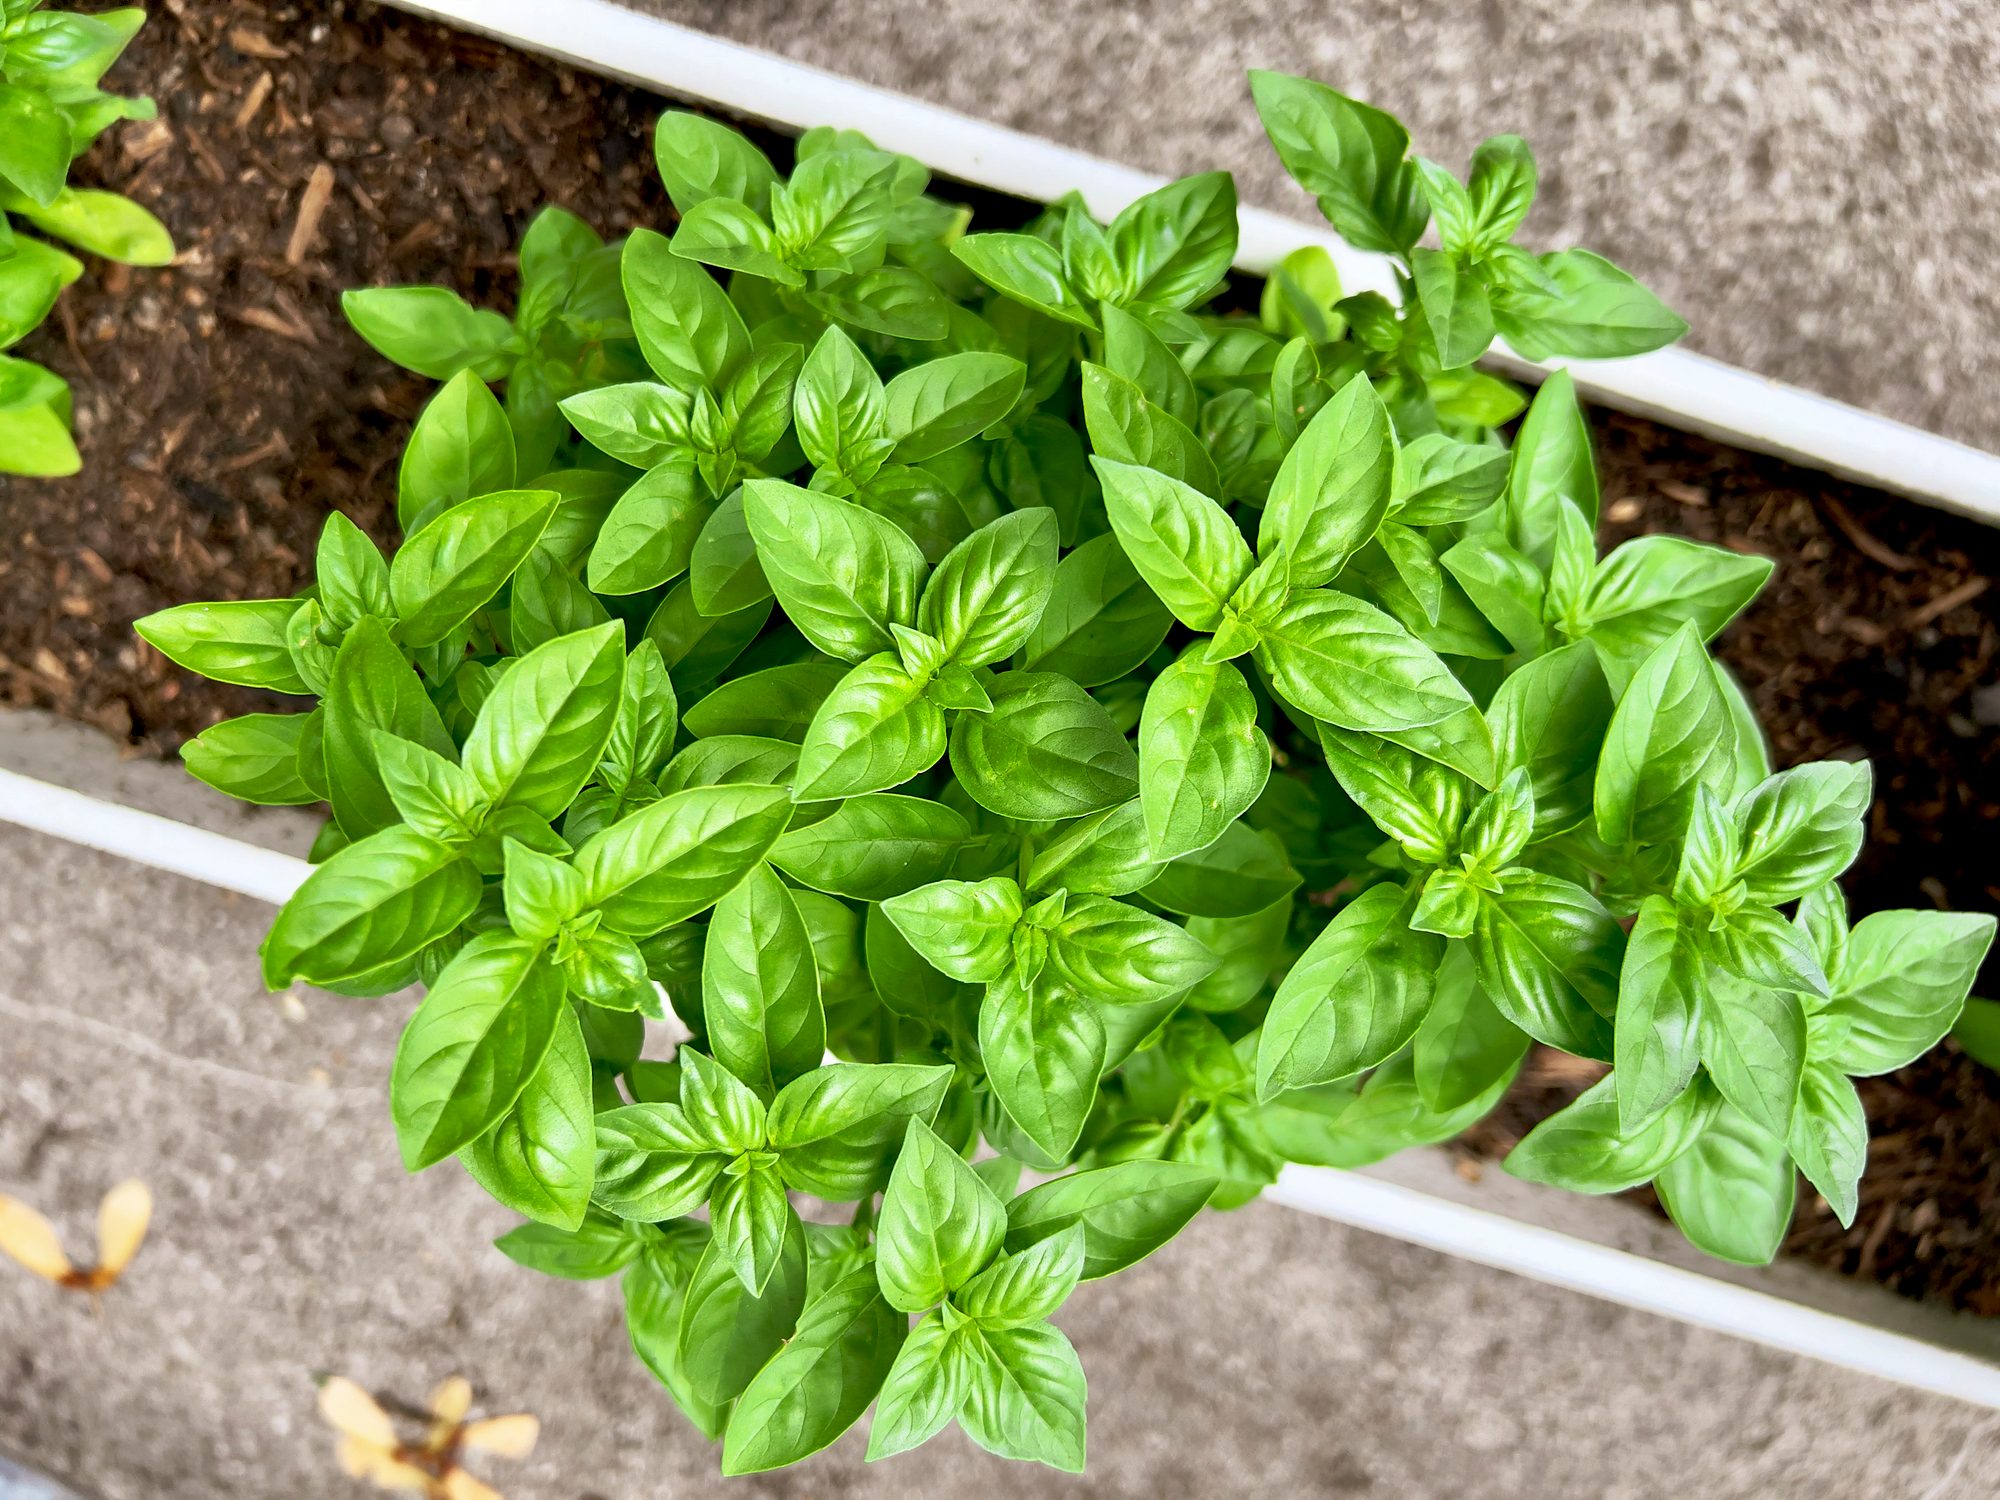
1677	386
1425	1215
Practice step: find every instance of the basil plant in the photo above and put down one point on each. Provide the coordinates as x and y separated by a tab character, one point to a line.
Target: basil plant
1006	710
51	110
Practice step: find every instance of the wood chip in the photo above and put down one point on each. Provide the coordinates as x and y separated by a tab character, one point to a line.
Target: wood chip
1684	494
1946	602
255	44
1864	543
270	322
259	92
1622	511
312	203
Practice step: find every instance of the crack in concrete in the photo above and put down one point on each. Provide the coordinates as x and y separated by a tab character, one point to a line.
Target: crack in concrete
297	1093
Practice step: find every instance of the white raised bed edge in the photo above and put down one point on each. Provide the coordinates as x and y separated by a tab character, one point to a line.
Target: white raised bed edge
1351	1198
1688	390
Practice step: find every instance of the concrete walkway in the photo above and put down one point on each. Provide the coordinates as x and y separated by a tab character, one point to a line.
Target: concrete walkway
1814	187
1264	1353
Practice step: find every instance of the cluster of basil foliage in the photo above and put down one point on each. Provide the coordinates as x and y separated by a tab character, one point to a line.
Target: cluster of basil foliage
1143	745
51	109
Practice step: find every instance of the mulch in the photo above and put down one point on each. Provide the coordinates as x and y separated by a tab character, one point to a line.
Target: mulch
224	408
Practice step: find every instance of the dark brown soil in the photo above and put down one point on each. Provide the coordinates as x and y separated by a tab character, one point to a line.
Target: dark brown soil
224	408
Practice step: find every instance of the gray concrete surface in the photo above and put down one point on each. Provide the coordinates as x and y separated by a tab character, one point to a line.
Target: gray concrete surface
1265	1353
1814	187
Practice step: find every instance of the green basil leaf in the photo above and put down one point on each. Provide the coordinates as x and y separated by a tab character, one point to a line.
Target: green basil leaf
1801	828
818	1385
1549	718
1125	426
1829	1138
1551	464
842	574
1671	733
1026	269
541	1158
723	569
1732	1192
239	641
1181	542
253	757
474	1044
940	1224
1900	983
677	857
751	1218
1043	1047
655	1295
1026	1286
1753	1044
1351	157
381	900
1332	490
543	729
925	1388
648	539
962	928
687	330
1465	1047
835	1128
701	159
458	561
1242	872
941	403
652	1163
1348	663
986	595
727	1332
1595	311
873	847
1025	1396
1100	621
598	1246
1641	593
841	409
759	987
1121	955
1548	955
1460	314
1127	1211
1582	1148
1047	751
1656	1044
876	729
729	759
1202	759
1354	998
777	703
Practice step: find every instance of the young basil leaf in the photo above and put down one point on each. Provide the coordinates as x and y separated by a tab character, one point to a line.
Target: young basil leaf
1549	718
1671	733
675	858
1346	662
253	757
817	1386
760	990
1183	544
835	1128
943	402
1801	828
1583	1148
1592	311
873	847
1202	759
540	1159
595	1247
940	1224
1656	1044
1351	157
1027	1286
381	900
1551	464
1829	1138
962	928
1125	426
458	561
1120	955
542	731
238	641
727	1332
1043	1047
687	329
1026	269
925	1387
1126	1211
1025	1395
1465	1046
1102	853
983	600
751	1218
652	1163
842	573
1047	751
1548	955
462	447
649	537
1732	1191
1899	983
474	1044
700	159
1354	998
1640	594
876	729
